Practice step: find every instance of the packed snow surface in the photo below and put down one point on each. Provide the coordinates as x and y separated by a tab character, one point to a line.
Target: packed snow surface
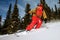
44	33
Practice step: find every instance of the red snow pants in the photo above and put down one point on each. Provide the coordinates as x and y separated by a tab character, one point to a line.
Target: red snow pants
35	21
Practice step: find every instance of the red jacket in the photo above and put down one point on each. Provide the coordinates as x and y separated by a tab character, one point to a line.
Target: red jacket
39	11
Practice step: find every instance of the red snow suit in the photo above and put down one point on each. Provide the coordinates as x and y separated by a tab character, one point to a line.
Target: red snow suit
35	19
39	11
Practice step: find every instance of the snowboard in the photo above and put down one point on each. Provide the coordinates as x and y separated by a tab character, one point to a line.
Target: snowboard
21	32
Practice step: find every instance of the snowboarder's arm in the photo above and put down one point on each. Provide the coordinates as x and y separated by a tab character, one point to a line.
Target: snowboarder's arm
44	14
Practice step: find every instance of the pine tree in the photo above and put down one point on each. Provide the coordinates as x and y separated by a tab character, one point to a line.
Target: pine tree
0	21
15	21
7	21
52	14
58	9
46	8
0	24
56	12
55	8
59	12
27	17
42	2
59	2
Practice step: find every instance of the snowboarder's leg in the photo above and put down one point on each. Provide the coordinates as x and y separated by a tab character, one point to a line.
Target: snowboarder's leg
39	23
34	21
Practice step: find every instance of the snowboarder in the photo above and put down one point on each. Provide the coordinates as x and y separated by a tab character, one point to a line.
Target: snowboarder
36	17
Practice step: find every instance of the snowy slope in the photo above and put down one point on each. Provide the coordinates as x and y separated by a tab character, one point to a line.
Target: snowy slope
52	33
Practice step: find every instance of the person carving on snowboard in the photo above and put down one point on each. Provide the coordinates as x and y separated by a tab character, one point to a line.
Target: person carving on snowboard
36	17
